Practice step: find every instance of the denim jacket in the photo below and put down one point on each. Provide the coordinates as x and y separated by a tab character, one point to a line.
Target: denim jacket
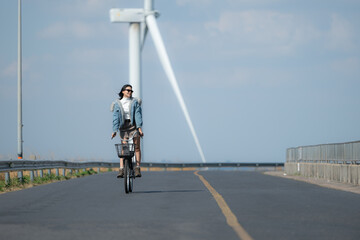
119	116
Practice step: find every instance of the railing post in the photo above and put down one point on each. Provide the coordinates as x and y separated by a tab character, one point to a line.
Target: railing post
20	175
32	175
7	177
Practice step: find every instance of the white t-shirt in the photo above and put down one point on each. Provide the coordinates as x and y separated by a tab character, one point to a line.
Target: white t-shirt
126	106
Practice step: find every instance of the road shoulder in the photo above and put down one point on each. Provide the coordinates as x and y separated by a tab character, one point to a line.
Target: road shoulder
320	182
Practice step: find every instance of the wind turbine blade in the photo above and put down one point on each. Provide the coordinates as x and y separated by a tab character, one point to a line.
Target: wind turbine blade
144	31
164	59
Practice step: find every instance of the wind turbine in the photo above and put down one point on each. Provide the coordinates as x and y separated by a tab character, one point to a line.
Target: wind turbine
142	20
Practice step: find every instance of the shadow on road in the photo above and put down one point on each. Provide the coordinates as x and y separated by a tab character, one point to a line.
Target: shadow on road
174	191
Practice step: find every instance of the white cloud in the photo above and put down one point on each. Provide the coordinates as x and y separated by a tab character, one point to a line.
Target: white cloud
341	34
192	2
347	67
239	2
263	30
60	29
10	70
99	56
88	8
76	29
180	35
224	2
237	76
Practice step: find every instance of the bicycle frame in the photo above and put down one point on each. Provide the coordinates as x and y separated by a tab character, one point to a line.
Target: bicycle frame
126	150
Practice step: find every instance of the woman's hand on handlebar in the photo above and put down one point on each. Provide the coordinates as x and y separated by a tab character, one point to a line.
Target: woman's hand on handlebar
113	135
141	132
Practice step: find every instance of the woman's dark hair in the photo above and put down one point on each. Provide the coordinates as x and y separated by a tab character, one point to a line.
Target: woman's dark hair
122	89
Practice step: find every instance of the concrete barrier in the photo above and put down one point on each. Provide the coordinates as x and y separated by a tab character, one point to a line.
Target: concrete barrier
346	173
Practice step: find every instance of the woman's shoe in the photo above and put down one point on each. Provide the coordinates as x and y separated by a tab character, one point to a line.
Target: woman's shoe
137	172
121	173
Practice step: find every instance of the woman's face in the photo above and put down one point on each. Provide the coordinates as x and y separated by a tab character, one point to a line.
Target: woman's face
127	92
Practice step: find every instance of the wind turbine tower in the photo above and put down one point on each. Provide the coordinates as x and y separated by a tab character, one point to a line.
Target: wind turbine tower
142	20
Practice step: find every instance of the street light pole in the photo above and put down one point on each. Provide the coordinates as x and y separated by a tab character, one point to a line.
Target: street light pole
20	125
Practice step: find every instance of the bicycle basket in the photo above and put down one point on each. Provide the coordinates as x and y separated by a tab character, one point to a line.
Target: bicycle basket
125	149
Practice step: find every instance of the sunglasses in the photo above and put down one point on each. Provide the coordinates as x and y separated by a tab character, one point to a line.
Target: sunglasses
129	90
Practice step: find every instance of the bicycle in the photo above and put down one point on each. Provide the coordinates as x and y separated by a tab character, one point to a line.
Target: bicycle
125	150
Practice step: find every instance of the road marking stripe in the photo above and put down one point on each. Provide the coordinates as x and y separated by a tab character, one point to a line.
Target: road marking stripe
229	215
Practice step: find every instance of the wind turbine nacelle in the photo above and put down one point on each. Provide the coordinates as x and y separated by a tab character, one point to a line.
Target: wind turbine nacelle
127	15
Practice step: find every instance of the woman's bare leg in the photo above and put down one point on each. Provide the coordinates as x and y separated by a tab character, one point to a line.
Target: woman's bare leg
137	151
138	158
121	162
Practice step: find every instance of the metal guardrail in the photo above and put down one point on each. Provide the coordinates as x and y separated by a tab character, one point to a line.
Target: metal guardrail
344	153
32	166
23	165
210	165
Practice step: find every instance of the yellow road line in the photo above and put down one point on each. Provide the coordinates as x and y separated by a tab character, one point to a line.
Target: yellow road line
229	215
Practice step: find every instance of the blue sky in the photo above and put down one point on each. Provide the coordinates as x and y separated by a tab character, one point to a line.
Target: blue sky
257	77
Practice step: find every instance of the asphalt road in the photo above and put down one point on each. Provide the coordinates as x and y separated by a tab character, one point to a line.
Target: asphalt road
177	205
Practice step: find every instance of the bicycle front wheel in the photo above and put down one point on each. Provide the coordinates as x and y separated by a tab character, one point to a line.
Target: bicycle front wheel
127	176
131	178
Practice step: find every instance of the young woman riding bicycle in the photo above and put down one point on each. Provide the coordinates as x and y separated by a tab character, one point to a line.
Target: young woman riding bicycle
127	119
